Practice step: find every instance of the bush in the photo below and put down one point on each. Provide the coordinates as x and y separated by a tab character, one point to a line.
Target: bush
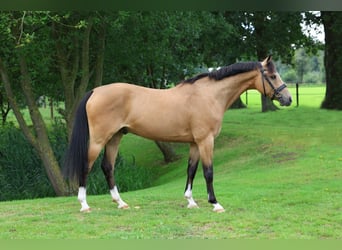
22	174
128	176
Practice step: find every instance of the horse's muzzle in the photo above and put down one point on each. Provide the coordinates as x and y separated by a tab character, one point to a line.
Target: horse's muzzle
285	101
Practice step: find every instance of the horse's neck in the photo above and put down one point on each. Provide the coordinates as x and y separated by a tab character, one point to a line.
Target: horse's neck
229	89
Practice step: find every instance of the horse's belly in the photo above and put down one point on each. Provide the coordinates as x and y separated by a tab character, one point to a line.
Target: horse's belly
158	132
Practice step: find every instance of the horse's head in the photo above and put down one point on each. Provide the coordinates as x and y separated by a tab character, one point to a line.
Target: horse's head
271	84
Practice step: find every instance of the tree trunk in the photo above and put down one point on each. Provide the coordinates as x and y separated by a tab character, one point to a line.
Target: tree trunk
74	64
332	22
238	104
168	151
267	104
5	108
101	38
39	140
70	61
262	53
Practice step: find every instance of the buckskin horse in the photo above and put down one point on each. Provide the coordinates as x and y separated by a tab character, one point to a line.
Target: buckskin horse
190	112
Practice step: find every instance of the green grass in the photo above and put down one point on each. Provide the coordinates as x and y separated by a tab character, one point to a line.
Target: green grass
277	174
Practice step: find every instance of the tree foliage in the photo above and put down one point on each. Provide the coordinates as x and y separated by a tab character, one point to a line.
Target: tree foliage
23	56
155	49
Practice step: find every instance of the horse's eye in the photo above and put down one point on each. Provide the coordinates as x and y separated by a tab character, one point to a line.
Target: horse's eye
273	77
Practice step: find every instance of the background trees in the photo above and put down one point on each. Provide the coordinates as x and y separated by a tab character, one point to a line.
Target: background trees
277	33
24	66
155	49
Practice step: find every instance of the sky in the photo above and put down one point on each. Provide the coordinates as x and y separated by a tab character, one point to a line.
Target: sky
314	30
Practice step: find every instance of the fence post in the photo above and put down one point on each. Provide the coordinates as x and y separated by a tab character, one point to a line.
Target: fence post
297	94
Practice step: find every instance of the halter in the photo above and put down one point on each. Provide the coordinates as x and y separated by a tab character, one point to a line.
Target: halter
276	91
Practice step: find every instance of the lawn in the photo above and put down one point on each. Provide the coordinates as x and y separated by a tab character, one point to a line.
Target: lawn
278	175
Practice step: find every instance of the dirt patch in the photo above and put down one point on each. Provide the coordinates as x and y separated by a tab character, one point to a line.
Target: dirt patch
280	157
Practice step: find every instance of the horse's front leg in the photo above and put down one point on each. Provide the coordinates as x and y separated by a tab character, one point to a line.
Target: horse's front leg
206	154
191	171
209	176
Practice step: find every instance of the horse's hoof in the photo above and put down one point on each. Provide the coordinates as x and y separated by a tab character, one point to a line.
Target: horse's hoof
191	206
124	206
85	210
218	208
121	204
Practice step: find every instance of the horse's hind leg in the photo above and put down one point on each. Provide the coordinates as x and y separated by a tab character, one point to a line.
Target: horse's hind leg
93	152
191	171
111	151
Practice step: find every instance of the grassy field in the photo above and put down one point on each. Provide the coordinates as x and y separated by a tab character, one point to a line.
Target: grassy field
277	174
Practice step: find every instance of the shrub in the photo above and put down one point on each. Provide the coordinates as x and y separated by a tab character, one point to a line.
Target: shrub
128	176
22	174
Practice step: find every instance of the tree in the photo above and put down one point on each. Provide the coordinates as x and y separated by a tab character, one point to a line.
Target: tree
19	39
35	46
301	64
332	22
269	32
79	42
260	22
309	68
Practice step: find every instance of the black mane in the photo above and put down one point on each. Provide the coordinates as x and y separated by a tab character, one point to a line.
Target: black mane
231	70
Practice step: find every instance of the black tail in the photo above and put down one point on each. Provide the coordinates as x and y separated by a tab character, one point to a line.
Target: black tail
76	158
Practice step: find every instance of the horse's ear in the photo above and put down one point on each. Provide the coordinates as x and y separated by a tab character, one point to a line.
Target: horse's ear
268	64
267	60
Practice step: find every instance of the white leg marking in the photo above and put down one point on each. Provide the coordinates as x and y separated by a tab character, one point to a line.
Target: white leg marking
218	208
82	199
116	197
188	196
